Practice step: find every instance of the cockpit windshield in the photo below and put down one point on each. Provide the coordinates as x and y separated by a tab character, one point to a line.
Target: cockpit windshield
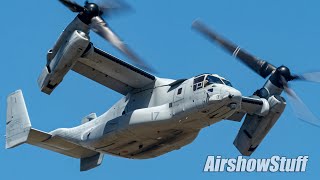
213	80
204	80
216	80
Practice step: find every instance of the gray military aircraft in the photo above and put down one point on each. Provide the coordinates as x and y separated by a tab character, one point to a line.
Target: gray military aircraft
156	115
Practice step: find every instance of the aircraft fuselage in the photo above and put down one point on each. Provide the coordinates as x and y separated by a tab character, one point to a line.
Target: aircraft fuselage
153	121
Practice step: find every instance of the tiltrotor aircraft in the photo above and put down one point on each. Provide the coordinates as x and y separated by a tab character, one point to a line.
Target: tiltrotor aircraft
156	115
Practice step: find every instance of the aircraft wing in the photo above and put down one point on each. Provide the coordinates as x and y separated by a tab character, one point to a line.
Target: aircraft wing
111	72
250	105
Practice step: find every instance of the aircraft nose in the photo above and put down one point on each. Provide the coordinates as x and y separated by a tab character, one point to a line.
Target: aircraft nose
225	102
227	93
232	94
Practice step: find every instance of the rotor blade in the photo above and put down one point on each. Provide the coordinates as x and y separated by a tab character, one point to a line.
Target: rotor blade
263	68
301	111
99	26
312	77
73	6
108	7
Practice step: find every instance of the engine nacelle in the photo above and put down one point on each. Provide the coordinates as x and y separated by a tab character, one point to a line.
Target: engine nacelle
63	61
256	127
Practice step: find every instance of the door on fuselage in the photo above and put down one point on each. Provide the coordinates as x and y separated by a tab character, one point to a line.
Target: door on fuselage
199	94
178	99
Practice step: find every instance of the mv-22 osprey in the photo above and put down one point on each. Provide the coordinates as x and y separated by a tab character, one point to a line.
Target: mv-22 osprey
156	115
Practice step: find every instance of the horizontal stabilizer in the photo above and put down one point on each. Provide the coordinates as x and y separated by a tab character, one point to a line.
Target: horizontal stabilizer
19	131
58	144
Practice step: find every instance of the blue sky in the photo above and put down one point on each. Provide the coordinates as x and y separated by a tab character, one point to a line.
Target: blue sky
282	32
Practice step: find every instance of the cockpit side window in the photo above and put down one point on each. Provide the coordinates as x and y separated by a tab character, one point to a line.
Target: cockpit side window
198	83
228	83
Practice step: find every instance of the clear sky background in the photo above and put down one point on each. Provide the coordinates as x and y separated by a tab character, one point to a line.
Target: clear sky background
283	32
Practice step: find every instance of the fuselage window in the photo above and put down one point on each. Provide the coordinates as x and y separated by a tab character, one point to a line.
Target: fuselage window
179	91
198	83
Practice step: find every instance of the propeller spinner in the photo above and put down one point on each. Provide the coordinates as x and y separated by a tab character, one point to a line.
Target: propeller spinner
91	14
280	76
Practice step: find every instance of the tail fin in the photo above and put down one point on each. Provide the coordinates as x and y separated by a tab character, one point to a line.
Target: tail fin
18	123
19	131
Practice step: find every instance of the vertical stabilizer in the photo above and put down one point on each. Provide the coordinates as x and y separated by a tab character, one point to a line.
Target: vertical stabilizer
18	123
91	162
19	131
